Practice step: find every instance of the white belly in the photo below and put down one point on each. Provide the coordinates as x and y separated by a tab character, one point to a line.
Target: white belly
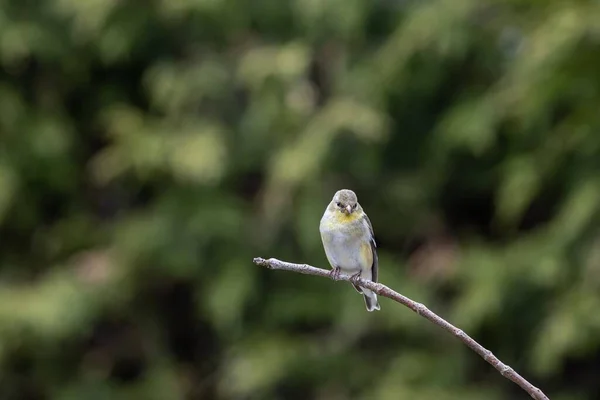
343	252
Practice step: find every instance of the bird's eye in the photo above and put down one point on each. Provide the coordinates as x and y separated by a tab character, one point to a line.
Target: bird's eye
338	204
354	206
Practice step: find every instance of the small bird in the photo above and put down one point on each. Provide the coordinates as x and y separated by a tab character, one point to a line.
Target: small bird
349	243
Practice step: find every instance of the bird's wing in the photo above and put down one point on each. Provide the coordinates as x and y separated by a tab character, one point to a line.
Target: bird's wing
368	221
375	265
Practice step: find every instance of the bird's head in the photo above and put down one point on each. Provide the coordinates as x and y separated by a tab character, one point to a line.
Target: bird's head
345	201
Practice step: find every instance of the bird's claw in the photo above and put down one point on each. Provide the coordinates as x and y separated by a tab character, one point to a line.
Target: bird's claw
354	278
335	273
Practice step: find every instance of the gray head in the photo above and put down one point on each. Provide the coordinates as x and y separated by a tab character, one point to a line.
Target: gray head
345	201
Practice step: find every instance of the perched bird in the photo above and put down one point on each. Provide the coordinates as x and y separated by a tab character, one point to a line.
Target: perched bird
349	243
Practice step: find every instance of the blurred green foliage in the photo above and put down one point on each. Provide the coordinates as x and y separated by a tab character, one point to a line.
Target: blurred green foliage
149	149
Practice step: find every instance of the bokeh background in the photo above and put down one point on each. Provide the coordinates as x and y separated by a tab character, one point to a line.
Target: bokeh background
149	149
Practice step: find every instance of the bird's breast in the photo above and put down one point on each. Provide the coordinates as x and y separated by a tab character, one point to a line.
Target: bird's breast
347	224
343	242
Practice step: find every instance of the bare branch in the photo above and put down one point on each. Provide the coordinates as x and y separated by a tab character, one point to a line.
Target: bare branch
420	309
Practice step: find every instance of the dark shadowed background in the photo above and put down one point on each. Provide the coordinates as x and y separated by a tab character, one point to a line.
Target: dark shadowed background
149	149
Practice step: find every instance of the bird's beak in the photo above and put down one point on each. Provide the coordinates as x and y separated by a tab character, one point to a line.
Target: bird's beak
349	209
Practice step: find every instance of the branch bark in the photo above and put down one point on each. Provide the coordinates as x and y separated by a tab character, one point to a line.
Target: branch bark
420	309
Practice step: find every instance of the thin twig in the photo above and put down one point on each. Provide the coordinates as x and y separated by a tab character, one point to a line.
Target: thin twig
420	309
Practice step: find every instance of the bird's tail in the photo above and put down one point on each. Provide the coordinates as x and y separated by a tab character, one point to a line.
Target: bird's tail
370	300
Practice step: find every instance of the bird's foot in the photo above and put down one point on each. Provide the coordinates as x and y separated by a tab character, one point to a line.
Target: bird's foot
354	278
335	273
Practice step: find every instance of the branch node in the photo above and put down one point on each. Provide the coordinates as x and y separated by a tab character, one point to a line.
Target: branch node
420	308
506	370
488	356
